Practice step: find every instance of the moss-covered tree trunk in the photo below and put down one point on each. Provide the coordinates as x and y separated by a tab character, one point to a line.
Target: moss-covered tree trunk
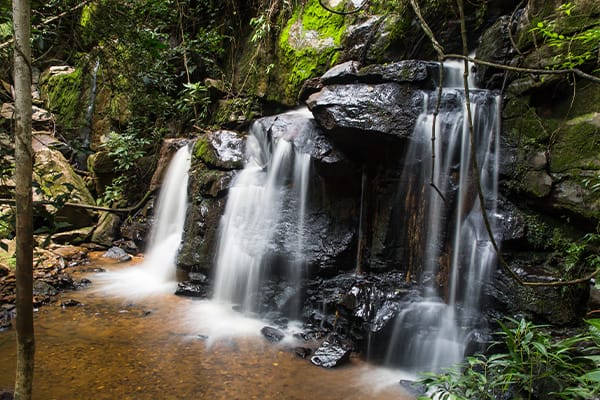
24	166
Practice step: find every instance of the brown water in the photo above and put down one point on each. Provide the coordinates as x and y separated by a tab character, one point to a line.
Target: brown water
111	349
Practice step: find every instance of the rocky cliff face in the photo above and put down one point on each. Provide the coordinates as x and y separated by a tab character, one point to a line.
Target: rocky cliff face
367	111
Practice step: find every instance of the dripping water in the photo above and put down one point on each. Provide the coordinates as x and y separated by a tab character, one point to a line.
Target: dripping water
86	130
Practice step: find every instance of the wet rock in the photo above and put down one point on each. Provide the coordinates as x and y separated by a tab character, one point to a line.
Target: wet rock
41	288
333	352
413	388
378	39
167	151
137	227
220	149
408	71
342	73
200	231
385	109
83	283
5	318
310	86
541	304
70	303
70	253
117	254
197	277
193	289
273	335
367	121
302	352
494	46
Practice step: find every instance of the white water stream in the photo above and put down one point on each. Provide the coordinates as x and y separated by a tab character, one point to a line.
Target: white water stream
156	274
266	205
432	332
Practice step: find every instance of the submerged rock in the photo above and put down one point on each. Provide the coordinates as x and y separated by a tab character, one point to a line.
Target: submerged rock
333	352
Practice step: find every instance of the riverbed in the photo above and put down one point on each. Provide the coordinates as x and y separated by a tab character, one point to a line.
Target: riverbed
169	347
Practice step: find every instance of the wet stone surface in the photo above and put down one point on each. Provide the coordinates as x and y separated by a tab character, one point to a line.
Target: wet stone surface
273	335
333	352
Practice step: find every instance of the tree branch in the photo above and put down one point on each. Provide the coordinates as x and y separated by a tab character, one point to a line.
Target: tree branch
363	5
539	71
127	210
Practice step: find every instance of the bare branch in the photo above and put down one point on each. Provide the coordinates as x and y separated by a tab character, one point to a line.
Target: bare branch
356	10
539	71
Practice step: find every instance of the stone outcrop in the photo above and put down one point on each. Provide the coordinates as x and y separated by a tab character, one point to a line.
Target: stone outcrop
57	181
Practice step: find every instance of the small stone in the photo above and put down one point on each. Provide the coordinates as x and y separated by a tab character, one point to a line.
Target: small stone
273	335
70	303
118	254
302	352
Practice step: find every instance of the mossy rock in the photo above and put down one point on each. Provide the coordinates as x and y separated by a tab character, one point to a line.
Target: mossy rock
308	46
220	149
63	91
577	145
55	180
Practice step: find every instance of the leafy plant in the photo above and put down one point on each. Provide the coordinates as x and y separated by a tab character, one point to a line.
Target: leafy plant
194	99
125	149
532	365
577	48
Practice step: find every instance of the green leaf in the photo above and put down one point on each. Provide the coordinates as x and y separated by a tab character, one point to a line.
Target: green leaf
593	376
595	322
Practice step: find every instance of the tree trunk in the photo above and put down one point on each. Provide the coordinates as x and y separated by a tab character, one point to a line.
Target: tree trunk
24	218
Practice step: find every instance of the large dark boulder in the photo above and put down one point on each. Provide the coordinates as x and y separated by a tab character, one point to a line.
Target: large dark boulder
362	117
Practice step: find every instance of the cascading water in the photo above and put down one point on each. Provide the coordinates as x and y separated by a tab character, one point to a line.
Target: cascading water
263	224
157	273
447	236
86	130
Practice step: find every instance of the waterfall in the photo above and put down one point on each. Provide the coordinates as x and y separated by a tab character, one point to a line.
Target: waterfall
263	226
86	130
166	233
157	273
447	236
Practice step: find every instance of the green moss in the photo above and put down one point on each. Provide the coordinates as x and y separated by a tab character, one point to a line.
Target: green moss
64	97
204	151
307	46
578	145
521	121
